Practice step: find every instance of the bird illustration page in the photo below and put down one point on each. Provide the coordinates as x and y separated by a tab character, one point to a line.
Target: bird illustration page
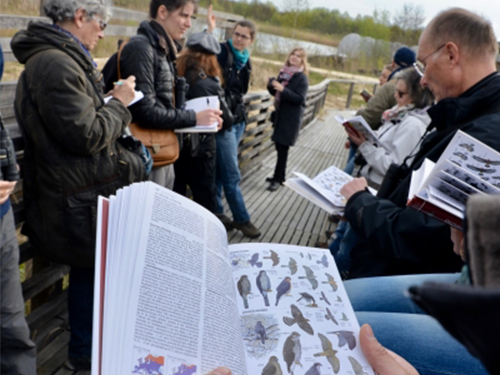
171	299
466	167
360	126
296	317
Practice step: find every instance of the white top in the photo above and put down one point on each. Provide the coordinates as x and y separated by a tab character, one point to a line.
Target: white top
400	140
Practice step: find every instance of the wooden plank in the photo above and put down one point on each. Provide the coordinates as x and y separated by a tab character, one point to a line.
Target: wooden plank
15	22
44	279
53	356
45	313
127	14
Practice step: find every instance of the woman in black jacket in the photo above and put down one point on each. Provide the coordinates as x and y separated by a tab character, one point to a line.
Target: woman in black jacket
196	164
289	91
150	57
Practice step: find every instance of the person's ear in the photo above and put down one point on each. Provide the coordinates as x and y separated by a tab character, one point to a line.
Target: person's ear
452	53
80	17
162	12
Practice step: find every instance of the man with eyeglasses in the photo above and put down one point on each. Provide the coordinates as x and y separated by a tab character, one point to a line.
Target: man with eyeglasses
456	56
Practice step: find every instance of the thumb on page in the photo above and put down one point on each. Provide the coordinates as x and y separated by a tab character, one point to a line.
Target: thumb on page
383	361
220	371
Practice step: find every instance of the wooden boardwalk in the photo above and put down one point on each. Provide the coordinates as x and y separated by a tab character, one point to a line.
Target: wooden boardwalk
284	216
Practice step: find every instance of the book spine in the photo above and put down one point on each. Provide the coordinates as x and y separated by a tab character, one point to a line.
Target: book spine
436	212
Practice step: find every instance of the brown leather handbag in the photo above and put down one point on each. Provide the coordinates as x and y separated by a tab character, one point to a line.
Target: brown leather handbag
161	143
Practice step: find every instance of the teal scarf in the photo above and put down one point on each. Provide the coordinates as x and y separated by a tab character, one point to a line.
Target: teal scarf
240	57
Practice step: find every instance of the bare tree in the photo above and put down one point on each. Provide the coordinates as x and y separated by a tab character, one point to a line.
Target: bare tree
295	6
410	17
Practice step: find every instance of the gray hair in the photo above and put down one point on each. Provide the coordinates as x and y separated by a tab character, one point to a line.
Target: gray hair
64	10
420	96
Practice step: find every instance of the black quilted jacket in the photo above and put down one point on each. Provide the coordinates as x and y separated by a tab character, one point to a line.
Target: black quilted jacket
138	58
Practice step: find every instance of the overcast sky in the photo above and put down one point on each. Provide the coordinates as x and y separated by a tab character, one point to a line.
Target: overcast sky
488	8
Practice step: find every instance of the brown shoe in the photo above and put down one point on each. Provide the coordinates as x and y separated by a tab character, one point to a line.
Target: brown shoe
228	224
248	229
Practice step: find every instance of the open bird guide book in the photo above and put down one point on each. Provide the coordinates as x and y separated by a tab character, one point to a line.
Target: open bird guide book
466	167
360	126
324	189
171	297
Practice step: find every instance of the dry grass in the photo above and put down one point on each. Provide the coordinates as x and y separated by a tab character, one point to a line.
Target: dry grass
22	7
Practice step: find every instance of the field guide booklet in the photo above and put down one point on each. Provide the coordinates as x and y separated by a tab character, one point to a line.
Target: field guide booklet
467	166
359	124
324	189
171	297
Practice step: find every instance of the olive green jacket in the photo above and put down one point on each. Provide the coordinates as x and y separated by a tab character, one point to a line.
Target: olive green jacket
71	153
383	100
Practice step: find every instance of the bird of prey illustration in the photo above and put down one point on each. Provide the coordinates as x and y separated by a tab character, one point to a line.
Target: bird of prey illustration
323	298
284	288
264	285
329	316
292	351
260	332
298	318
330	281
487	162
356	366
292	265
254	261
274	257
468	146
302	255
310	276
339	299
310	299
461	155
273	367
244	288
329	353
480	170
323	261
314	370
309	256
344	318
345	337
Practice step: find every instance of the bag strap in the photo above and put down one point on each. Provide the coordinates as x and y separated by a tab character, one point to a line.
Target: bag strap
118	55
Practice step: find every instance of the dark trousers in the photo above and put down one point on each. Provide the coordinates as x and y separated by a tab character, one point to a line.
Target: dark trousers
198	172
280	170
80	309
18	352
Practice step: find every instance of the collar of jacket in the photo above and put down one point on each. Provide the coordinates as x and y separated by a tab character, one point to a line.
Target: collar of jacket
483	97
159	39
40	36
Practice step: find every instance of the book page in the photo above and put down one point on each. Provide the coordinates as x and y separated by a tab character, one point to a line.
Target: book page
359	124
312	195
138	96
198	105
295	313
473	156
328	183
178	311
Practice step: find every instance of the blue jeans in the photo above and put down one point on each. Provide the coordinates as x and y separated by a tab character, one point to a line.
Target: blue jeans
341	247
405	329
80	309
228	173
349	168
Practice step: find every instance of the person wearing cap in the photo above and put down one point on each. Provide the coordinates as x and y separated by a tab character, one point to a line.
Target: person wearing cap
384	98
196	164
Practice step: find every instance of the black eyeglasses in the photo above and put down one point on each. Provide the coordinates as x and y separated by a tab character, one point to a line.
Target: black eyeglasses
242	36
101	23
419	65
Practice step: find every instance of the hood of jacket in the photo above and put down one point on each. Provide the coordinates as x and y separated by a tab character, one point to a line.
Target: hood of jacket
40	37
421	114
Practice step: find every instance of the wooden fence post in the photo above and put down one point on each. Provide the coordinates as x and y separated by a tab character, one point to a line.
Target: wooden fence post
42	12
349	96
375	87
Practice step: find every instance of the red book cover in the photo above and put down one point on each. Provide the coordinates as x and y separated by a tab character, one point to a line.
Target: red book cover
438	213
